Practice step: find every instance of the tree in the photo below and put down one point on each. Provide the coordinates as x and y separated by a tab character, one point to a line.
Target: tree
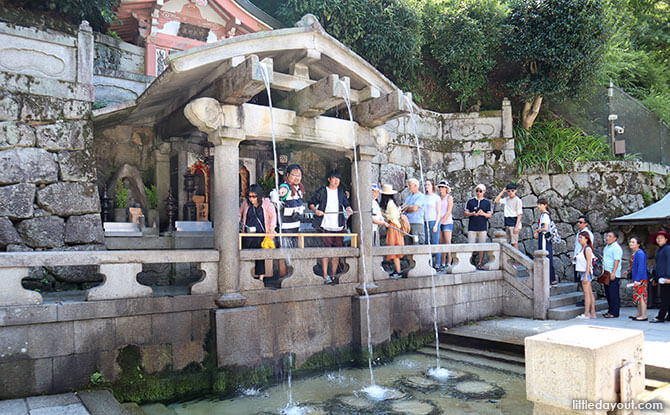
463	36
558	46
384	32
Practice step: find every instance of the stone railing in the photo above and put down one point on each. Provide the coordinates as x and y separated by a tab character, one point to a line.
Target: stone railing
120	269
531	292
301	265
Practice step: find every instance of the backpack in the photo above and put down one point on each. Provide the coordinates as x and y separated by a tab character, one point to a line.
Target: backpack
554	236
597	263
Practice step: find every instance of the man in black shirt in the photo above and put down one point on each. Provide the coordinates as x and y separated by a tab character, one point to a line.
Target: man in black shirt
479	210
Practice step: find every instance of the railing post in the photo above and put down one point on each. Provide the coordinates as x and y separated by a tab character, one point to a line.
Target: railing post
540	284
494	256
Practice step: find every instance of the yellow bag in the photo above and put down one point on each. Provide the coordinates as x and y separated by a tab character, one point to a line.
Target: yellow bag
268	243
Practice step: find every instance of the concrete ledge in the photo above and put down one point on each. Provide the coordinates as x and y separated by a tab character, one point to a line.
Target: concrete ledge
70	258
296	294
304	253
83	310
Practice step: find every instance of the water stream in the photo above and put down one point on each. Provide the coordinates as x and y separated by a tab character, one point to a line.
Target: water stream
291	408
372	390
437	372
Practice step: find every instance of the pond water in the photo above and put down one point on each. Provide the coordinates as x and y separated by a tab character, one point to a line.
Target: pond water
473	386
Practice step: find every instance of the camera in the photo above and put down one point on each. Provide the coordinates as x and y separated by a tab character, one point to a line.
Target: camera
618	130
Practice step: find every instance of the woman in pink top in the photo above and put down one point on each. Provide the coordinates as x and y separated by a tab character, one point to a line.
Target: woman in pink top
446	221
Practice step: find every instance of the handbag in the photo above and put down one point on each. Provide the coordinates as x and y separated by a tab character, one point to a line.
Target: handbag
605	278
268	243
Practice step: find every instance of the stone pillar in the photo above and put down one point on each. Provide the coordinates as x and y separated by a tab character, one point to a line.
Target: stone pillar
507	130
225	199
540	284
571	368
362	221
380	319
85	54
162	178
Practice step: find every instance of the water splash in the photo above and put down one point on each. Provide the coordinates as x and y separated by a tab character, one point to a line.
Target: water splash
250	391
430	249
438	373
294	410
347	100
375	392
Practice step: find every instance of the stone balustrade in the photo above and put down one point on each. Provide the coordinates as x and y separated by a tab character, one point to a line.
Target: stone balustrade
421	254
301	264
120	269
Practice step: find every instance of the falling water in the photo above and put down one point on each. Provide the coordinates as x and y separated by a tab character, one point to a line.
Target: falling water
438	372
372	389
290	408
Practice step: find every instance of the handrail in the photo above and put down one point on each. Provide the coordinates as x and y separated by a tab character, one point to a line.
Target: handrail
517	255
432	249
304	253
73	258
301	237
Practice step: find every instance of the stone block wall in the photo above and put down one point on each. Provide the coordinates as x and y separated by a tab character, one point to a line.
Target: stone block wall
48	192
53	348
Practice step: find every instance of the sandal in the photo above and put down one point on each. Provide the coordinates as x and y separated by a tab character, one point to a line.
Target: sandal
583	317
640	319
607	315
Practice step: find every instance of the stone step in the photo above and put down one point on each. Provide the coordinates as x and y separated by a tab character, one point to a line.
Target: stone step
563	288
488	354
567	312
565	299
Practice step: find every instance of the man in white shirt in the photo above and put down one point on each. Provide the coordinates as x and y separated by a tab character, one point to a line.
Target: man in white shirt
512	213
329	204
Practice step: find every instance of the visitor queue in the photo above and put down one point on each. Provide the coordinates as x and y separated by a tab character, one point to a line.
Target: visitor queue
426	217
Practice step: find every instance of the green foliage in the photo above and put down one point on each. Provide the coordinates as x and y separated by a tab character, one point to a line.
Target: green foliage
463	37
121	195
557	45
550	145
152	196
98	380
97	12
384	32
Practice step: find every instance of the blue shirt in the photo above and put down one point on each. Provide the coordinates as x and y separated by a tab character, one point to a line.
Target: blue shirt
639	266
478	223
415	199
612	253
663	262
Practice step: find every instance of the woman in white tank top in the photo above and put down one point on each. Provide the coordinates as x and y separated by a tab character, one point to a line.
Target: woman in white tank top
583	262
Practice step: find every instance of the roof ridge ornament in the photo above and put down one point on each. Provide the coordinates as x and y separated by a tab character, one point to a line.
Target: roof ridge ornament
309	20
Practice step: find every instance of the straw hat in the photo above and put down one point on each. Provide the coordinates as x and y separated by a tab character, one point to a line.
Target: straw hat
443	183
387	189
652	238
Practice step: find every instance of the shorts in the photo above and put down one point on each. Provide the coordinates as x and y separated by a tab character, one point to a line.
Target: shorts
287	242
447	227
513	238
580	275
476	237
332	241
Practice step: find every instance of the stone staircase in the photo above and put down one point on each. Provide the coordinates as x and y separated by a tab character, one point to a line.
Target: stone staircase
563	300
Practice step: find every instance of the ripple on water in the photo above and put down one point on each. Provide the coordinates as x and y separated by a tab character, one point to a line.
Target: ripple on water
476	389
301	410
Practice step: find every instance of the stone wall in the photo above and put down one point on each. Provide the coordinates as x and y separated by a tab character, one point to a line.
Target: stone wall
118	71
48	193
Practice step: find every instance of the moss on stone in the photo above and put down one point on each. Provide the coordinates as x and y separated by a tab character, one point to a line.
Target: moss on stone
229	380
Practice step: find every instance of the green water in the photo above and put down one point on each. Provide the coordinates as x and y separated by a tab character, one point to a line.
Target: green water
501	390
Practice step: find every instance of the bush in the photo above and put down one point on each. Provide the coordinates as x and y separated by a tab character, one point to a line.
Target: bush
96	12
550	145
121	196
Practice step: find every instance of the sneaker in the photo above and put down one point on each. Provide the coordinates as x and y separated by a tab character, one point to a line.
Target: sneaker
395	275
328	280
